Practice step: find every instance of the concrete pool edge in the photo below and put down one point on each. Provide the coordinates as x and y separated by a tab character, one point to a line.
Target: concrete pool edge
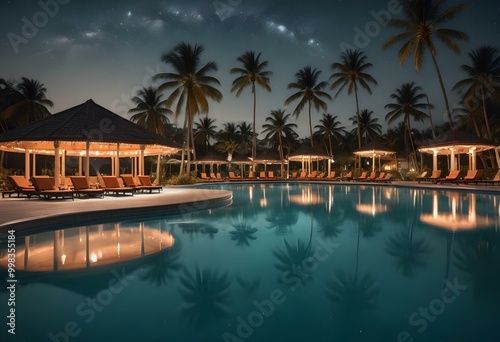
52	214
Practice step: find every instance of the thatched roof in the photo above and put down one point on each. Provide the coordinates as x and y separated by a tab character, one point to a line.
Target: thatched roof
307	152
211	158
268	157
90	122
460	141
374	148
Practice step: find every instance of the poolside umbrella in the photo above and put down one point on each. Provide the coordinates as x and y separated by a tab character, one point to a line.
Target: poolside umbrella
309	154
374	149
211	158
86	129
455	142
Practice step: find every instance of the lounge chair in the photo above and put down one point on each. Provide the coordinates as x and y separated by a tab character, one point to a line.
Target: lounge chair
145	182
295	174
204	177
46	190
473	176
453	177
386	179
421	177
495	179
302	175
251	175
434	176
372	176
262	175
82	188
331	176
313	174
362	176
20	186
131	183
321	175
113	186
381	176
347	176
232	176
270	175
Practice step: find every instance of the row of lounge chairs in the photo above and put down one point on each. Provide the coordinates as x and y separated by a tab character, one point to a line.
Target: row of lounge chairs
43	187
456	177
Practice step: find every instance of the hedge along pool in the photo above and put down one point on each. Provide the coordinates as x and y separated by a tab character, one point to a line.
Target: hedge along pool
284	262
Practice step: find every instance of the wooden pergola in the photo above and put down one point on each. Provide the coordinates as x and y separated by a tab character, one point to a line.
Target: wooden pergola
375	150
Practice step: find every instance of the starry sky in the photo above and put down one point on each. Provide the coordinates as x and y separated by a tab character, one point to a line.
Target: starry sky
106	50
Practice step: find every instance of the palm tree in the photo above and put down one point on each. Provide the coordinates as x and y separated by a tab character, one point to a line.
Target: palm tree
368	125
204	130
483	74
193	87
352	72
408	104
243	231
277	129
309	92
150	111
228	146
245	133
253	72
28	102
329	129
422	21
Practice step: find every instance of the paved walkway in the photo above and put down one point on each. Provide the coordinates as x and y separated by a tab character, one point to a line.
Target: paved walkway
22	213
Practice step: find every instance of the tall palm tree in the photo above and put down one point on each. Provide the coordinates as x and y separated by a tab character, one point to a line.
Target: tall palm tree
482	81
251	73
192	87
150	111
277	129
408	105
368	125
351	71
28	102
422	20
329	129
309	91
204	130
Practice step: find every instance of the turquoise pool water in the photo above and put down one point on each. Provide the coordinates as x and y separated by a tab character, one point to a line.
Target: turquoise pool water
284	262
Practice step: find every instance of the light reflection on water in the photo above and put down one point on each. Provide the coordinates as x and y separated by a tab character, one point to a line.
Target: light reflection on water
285	262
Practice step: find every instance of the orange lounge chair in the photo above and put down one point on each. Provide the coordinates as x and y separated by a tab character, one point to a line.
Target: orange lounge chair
113	186
20	186
145	182
45	189
473	176
495	179
421	177
262	175
347	176
331	176
251	175
372	176
453	177
321	175
312	174
363	176
380	176
302	175
232	176
270	175
434	176
386	179
82	187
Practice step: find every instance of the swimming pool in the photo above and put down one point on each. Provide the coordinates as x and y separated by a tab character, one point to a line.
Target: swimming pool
284	262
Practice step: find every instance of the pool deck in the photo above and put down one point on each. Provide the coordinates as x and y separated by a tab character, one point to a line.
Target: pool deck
23	214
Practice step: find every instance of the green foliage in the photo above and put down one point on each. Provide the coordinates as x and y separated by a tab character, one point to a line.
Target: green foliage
409	175
181	180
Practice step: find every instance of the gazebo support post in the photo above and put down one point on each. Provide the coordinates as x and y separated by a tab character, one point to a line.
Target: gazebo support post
57	164
117	160
141	161
87	160
27	164
452	160
434	160
158	165
63	166
33	164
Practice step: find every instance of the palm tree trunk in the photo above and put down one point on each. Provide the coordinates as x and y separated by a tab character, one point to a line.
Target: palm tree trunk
441	84
281	154
254	135
357	114
184	147
310	123
412	145
487	124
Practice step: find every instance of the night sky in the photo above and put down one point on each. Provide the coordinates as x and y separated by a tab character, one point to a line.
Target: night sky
106	50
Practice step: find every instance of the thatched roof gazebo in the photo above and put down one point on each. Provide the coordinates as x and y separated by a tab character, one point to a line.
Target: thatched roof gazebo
373	150
211	158
88	130
307	153
455	142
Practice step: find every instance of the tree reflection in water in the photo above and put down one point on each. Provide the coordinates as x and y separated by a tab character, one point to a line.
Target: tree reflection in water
206	296
163	266
243	232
